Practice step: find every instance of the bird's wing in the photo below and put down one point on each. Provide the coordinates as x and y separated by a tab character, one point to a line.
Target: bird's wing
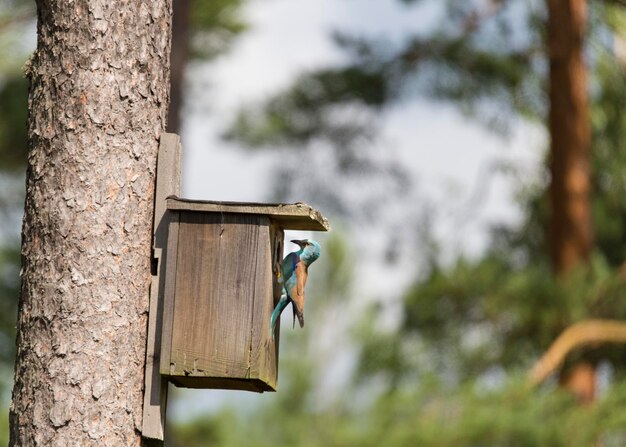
289	265
301	274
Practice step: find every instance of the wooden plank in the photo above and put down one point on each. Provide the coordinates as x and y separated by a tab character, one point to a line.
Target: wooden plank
295	216
278	241
215	291
168	180
169	292
262	348
155	389
221	383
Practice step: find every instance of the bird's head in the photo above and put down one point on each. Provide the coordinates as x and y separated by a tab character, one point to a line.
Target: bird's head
310	249
302	243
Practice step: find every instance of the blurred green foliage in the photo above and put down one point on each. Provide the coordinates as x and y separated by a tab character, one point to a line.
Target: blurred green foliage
452	373
13	111
427	414
215	24
490	63
304	111
15	19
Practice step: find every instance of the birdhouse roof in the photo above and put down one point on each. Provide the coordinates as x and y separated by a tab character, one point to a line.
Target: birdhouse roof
290	216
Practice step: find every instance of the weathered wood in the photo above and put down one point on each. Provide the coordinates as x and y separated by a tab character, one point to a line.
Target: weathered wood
168	179
277	239
169	291
155	389
296	216
262	346
223	302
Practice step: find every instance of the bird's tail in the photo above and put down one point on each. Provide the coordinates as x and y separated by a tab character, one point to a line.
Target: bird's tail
298	314
277	311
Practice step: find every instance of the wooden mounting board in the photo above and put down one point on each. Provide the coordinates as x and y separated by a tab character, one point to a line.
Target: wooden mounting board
155	387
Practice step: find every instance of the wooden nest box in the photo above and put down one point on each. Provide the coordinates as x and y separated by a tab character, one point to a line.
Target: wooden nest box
222	265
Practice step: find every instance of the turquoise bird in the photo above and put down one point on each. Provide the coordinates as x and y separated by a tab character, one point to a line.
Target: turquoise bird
294	274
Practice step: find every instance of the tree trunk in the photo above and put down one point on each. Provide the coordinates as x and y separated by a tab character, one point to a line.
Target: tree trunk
570	233
97	106
581	381
570	229
180	58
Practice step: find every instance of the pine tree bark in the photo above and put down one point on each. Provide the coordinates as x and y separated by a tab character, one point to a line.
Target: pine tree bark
97	106
571	229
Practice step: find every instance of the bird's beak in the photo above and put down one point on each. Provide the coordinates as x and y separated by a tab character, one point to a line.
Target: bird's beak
301	243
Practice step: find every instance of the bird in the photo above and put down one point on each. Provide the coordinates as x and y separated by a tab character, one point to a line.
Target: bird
294	274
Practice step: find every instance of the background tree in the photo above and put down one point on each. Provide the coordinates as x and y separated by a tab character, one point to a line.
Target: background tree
569	126
97	106
201	29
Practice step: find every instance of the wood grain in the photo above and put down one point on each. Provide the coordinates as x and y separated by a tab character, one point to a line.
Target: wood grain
261	350
169	291
277	238
222	302
155	389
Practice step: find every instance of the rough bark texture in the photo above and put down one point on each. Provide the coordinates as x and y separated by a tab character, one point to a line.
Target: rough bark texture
97	105
571	228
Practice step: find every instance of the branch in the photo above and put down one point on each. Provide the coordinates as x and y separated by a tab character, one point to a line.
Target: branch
580	334
475	18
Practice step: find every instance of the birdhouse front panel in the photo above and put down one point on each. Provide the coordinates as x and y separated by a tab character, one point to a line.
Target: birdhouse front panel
223	300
